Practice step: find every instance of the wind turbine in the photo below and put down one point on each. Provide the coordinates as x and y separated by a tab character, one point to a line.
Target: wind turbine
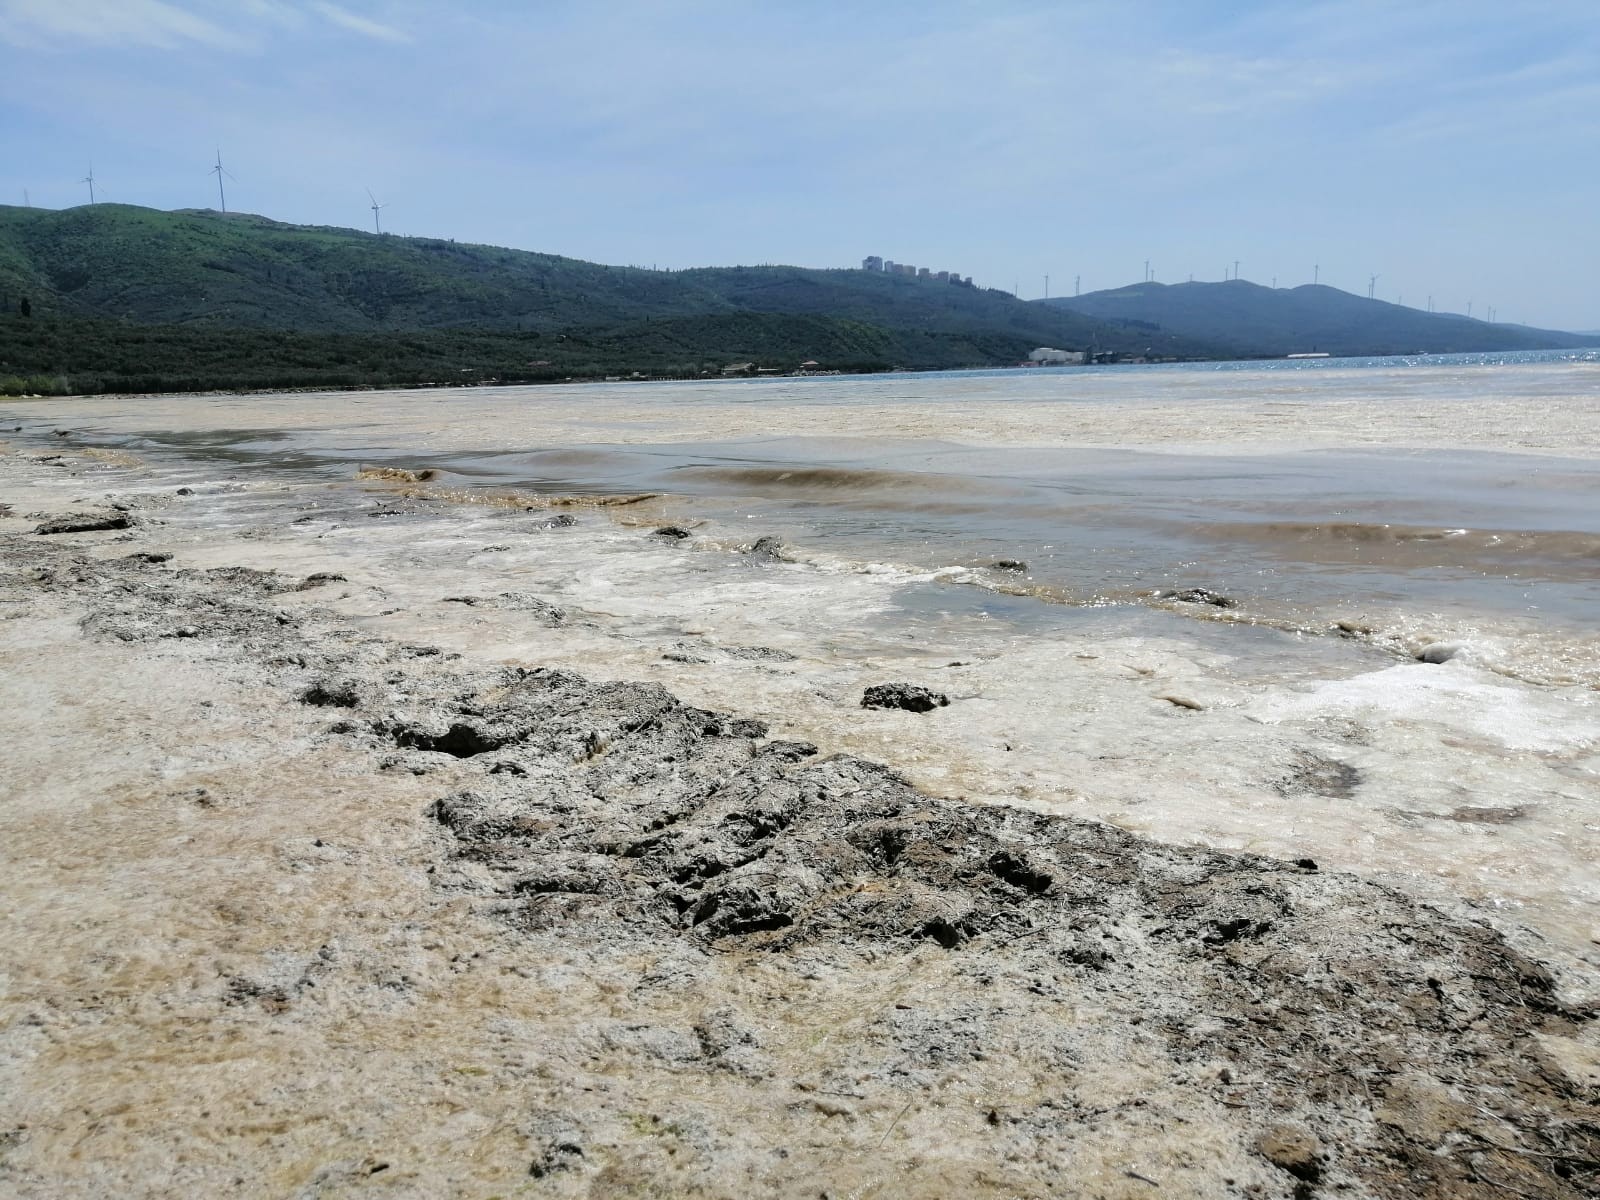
378	228
89	179
1372	286
219	171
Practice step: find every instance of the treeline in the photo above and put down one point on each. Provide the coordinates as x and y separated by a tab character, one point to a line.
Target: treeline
61	355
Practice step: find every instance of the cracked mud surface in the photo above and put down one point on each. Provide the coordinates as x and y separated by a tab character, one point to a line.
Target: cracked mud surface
300	910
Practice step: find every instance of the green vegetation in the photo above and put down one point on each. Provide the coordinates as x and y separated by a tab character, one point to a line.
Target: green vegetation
58	355
1252	321
127	298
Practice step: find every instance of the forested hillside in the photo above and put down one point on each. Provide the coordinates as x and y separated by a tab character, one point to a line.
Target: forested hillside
1253	321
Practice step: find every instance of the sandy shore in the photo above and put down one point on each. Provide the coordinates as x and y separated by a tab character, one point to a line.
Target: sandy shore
297	906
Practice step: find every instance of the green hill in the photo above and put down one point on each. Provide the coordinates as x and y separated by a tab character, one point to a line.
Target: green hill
1253	321
205	280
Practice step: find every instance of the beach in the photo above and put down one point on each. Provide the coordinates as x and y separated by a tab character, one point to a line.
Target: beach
469	793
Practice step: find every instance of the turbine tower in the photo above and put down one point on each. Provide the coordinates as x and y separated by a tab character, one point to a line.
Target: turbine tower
219	171
89	179
377	227
1372	286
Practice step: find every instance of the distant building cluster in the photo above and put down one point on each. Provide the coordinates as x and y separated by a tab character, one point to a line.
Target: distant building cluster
1049	356
889	267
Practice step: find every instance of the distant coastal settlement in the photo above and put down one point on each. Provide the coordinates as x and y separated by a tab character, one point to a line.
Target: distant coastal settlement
889	267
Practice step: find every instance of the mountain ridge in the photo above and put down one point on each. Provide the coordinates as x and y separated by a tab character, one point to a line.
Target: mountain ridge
1260	322
118	297
199	267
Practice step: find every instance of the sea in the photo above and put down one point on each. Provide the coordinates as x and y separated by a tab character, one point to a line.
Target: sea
1337	609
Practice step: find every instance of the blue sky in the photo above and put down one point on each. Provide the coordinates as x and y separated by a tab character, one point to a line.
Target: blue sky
1451	147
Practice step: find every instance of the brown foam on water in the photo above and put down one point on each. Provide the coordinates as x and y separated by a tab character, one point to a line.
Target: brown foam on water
787	479
1568	553
485	499
397	474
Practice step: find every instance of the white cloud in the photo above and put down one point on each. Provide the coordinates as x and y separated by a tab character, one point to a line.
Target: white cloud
275	12
358	24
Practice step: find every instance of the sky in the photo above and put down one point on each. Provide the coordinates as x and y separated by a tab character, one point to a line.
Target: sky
1449	147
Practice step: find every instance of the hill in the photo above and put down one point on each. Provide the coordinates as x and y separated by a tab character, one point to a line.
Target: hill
1258	322
207	279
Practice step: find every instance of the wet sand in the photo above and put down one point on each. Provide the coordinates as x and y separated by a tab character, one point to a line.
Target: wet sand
1540	408
329	886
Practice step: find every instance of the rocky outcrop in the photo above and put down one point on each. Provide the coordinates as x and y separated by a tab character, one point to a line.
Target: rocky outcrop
1335	1033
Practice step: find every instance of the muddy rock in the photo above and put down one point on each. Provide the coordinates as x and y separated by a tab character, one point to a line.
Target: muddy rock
758	653
85	522
1293	1150
1313	774
318	578
522	602
557	1143
908	696
556	521
328	693
768	548
1198	595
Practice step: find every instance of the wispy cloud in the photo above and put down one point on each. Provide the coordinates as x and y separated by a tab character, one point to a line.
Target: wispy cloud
365	26
165	25
32	23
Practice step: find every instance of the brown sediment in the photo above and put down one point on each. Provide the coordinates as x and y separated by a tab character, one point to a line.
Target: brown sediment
295	909
115	458
527	500
397	474
801	477
1554	552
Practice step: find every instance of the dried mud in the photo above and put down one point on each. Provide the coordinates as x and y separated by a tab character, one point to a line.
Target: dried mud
588	940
